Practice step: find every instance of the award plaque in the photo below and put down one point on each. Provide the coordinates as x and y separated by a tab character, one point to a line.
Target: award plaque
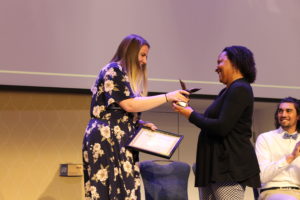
160	143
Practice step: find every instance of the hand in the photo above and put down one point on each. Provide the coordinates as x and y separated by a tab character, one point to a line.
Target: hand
296	152
185	111
148	124
178	95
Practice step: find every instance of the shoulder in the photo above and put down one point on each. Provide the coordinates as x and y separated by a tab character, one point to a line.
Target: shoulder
113	66
241	89
266	141
241	84
267	136
112	70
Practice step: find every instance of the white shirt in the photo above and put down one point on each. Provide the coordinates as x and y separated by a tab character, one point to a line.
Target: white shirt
271	149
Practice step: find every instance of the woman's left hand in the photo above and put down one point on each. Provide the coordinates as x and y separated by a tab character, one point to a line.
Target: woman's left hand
148	124
185	111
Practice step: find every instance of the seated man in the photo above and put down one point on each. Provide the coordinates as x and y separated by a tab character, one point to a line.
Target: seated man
278	151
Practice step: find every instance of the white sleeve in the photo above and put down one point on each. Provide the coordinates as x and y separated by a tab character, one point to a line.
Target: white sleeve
269	168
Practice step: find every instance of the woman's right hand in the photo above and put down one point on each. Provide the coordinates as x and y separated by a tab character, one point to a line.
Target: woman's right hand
185	111
296	153
178	95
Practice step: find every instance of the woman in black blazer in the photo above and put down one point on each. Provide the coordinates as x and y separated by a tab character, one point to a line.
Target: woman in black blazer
226	162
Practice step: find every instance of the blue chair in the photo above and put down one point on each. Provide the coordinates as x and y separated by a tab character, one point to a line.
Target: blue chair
194	170
167	181
256	193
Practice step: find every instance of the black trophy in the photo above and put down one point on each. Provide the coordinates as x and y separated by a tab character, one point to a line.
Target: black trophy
183	86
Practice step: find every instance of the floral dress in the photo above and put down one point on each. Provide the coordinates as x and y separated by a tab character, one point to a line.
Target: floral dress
110	170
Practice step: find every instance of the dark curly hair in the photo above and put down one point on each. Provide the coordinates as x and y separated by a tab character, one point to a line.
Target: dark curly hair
297	107
243	60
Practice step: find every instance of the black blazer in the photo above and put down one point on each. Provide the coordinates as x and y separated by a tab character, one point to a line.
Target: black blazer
224	151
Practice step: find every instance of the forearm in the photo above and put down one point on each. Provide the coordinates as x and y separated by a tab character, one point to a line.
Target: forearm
196	119
140	104
269	170
269	166
219	127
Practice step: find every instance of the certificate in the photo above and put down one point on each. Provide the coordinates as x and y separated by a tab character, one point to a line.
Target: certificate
160	143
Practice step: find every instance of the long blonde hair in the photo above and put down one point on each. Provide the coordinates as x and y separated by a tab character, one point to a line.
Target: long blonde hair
127	56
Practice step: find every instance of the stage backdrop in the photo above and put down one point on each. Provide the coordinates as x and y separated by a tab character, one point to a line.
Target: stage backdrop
64	43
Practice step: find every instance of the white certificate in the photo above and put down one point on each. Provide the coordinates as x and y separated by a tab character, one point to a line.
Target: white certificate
158	142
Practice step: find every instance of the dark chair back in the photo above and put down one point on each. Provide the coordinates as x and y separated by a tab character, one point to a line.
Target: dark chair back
194	170
165	181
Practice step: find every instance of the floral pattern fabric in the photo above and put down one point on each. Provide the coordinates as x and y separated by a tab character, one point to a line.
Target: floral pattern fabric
110	170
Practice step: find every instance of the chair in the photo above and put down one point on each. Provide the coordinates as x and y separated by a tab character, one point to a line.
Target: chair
255	193
167	181
194	170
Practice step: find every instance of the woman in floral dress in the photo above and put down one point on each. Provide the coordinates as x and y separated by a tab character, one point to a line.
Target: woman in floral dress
119	95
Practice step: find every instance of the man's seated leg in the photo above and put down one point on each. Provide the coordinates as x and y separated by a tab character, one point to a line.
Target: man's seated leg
280	195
